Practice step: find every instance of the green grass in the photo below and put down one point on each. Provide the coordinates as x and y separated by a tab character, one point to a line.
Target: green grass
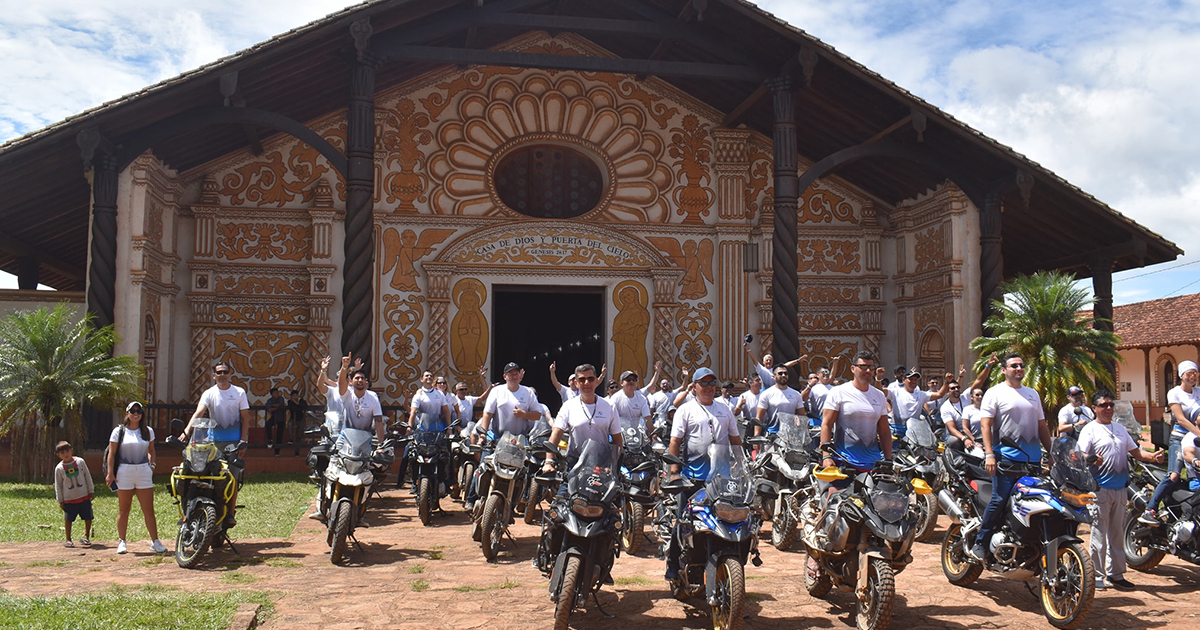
49	563
419	586
436	555
284	563
637	580
154	560
148	607
274	504
416	568
237	577
506	584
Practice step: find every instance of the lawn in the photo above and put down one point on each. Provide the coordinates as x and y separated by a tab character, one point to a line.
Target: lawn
274	503
150	606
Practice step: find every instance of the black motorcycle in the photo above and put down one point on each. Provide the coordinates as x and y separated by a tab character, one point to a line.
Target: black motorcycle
639	482
501	483
537	488
1177	533
429	458
578	545
783	476
203	486
1038	536
920	451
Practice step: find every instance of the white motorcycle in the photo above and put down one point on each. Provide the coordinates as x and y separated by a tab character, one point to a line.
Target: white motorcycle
348	481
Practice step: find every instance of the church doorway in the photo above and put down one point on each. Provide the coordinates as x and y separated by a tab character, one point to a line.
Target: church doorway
535	325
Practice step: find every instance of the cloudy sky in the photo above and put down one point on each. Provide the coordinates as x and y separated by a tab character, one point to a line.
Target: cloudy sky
1103	92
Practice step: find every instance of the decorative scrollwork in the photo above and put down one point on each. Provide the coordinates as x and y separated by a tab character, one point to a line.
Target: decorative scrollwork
693	340
402	338
821	255
238	241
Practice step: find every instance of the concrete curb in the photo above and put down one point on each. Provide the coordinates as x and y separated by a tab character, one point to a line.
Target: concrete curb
245	618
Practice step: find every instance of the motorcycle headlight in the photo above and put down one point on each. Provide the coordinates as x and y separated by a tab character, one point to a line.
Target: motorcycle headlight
1078	499
587	510
730	514
890	506
354	467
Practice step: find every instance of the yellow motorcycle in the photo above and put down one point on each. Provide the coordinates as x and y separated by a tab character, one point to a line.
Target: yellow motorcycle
204	485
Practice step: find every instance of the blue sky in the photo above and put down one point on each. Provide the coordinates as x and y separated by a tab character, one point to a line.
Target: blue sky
1102	92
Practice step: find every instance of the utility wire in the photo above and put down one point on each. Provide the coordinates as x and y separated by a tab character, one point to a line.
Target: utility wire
1181	288
1150	273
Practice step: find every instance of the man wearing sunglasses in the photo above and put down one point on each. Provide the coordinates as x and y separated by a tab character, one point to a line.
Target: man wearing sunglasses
1014	430
854	420
777	399
630	403
955	410
1110	443
1074	415
227	406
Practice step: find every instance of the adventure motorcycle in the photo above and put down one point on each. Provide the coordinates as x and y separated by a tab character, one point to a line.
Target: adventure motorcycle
203	486
716	534
348	480
319	455
464	460
638	481
861	537
537	488
501	482
1038	536
578	546
919	451
1177	533
429	456
784	463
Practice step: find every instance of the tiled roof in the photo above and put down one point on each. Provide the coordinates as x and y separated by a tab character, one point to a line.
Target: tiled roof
1166	322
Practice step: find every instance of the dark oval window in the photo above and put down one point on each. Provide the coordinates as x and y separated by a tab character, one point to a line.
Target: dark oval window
549	181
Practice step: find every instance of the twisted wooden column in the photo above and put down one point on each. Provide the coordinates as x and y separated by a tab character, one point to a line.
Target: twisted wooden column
991	257
784	305
102	258
1102	312
358	297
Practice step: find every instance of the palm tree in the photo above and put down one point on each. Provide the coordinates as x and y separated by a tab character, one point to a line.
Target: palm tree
1041	320
50	366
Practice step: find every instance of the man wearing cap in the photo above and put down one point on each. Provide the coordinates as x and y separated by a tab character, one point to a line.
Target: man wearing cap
727	398
775	400
512	408
566	392
630	403
909	400
698	424
814	394
1074	414
1183	401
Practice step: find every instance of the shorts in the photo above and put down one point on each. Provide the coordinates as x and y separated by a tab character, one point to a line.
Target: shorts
83	510
135	476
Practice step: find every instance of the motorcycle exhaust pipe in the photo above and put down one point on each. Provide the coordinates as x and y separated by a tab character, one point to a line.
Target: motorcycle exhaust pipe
950	506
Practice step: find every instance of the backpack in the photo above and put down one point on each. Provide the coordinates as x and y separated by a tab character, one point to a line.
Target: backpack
107	449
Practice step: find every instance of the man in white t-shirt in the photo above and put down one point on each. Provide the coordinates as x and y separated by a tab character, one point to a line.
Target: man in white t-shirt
854	420
566	392
466	404
746	408
660	400
512	408
1112	446
727	398
766	369
908	400
363	410
226	404
585	417
1011	413
1074	415
629	402
779	398
1183	402
429	401
815	392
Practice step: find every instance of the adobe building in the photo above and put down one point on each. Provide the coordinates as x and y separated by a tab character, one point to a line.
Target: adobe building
447	185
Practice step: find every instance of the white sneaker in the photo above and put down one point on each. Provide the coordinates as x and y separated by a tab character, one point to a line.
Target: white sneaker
157	546
121	546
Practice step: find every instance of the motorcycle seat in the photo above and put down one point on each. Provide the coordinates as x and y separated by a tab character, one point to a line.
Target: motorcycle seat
983	493
1180	496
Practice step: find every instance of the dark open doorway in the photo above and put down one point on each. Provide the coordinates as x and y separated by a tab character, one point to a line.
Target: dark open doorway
535	325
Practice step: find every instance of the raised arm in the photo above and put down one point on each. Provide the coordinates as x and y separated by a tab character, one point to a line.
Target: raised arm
554	377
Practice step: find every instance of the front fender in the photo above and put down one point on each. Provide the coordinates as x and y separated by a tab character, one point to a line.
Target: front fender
1051	554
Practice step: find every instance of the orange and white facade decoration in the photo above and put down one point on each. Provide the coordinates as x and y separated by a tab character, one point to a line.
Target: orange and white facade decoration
240	258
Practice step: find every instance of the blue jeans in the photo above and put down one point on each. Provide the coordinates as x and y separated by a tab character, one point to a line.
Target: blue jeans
1002	489
1175	465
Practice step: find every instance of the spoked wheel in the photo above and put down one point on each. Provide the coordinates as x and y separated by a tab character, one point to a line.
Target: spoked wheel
195	535
816	581
1067	604
572	573
466	474
875	610
783	527
340	529
927	516
1138	552
491	527
959	569
633	523
425	500
533	503
730	593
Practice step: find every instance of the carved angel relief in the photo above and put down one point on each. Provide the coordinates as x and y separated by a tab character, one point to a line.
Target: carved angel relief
695	258
401	250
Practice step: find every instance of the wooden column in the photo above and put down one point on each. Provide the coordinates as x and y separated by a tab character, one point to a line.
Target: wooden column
786	337
1149	395
1102	312
27	273
991	257
357	293
102	258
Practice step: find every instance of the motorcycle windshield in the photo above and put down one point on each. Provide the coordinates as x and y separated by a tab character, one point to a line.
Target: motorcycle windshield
510	450
634	431
729	478
354	443
334	422
1070	468
430	422
540	431
202	430
793	431
593	473
200	449
920	438
424	437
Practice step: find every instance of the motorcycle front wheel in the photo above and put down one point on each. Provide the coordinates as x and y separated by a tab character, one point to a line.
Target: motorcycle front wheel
633	523
1138	553
466	476
955	565
425	500
875	610
1067	604
783	526
533	503
572	574
927	516
730	591
195	535
491	527
340	525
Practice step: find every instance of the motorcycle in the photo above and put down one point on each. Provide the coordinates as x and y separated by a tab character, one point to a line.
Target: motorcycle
319	455
920	452
861	537
429	457
716	534
578	545
1176	534
1038	537
348	480
501	481
464	460
638	481
782	474
536	488
203	486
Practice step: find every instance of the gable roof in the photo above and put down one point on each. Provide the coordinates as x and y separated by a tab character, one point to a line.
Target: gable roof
303	74
1170	321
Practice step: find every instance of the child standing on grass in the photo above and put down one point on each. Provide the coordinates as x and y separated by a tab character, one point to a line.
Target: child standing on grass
74	490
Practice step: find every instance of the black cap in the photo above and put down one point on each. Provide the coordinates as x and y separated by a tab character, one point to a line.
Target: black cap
900	369
510	366
912	373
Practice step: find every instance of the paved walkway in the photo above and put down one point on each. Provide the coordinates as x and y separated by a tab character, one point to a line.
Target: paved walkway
375	589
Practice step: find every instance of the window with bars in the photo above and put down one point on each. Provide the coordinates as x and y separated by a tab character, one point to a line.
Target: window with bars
549	181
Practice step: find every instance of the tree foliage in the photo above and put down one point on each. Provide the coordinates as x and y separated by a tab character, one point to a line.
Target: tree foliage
1040	319
50	366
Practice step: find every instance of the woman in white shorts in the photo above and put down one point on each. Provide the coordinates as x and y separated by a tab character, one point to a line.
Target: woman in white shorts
131	455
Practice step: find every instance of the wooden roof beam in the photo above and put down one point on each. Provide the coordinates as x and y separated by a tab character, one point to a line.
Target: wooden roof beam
17	248
581	63
1135	249
665	43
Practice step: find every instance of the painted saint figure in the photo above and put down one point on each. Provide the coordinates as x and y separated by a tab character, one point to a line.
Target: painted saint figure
629	328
